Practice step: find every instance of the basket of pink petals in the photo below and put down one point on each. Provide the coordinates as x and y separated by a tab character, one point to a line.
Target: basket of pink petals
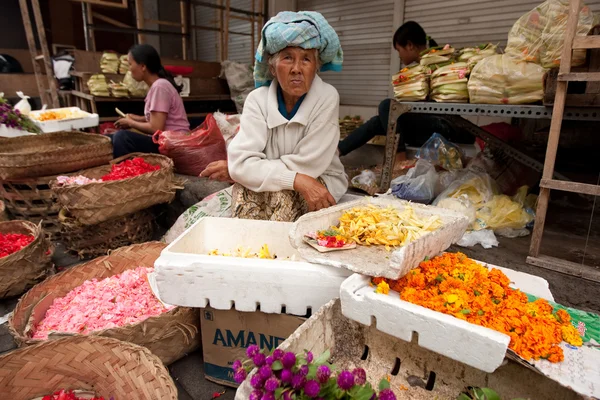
109	296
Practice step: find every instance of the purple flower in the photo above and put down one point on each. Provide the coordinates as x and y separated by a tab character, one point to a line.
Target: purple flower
237	364
360	376
256	395
272	384
265	372
240	375
269	360
288	360
298	381
387	394
253	350
256	381
345	380
323	373
286	376
309	357
268	396
312	388
259	359
278	354
303	370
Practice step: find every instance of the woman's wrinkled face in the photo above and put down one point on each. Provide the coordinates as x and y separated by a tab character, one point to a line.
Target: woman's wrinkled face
137	70
295	70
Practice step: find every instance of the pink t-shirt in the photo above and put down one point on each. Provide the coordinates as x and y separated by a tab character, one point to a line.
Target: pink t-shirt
163	97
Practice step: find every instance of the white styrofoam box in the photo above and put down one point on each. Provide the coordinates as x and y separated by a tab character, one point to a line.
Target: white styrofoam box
471	344
87	120
5	131
376	260
187	276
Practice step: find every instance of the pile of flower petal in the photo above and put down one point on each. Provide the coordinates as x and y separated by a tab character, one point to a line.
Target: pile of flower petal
74	180
390	227
12	242
456	285
129	168
115	301
449	83
411	83
246	252
69	395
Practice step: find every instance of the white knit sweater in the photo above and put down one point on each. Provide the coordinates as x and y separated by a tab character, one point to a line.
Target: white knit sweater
269	150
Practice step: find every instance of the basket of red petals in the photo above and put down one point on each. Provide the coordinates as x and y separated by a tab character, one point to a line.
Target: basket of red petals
128	184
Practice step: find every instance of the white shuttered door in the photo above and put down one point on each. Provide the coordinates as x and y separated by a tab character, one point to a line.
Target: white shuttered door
365	30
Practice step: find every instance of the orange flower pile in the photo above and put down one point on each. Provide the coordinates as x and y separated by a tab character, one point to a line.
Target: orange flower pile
454	284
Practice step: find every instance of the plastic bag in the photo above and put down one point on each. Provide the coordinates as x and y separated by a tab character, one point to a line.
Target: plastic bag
23	105
502	79
485	238
367	181
539	35
418	184
240	81
192	152
229	125
442	152
478	188
502	212
460	204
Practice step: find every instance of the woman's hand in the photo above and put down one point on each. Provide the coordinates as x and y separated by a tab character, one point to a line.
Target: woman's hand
314	193
217	171
124	123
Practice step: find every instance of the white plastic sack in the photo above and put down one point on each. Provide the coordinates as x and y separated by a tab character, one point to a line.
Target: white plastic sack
229	125
23	105
240	81
485	238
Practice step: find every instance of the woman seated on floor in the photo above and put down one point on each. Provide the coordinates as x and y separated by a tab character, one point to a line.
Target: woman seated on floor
284	158
163	109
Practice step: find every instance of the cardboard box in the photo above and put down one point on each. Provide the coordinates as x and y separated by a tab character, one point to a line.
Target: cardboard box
227	333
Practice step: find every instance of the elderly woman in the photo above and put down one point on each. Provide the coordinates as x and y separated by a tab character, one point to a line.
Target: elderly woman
284	158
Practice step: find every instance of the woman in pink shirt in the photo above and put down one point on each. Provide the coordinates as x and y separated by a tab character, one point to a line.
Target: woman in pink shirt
163	109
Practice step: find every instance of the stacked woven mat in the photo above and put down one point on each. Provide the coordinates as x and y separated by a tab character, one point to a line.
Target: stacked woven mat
100	216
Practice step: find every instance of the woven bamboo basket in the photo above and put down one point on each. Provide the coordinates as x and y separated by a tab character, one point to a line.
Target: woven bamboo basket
28	266
52	154
3	214
97	202
31	199
170	335
104	366
88	241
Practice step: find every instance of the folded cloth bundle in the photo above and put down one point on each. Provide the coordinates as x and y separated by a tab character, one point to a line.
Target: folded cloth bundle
135	88
449	83
109	63
503	79
305	29
97	85
411	83
472	55
118	89
123	64
437	55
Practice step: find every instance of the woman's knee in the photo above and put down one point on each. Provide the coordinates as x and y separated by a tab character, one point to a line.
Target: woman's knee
384	107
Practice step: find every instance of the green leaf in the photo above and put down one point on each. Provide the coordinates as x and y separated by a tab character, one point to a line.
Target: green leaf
480	312
426	258
277	366
384	384
440	278
477	293
364	393
312	371
465	311
279	393
461	397
323	357
496	301
490	394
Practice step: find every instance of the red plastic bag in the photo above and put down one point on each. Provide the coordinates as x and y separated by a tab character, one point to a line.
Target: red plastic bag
192	152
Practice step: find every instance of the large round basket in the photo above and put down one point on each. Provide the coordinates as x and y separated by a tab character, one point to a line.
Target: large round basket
88	241
3	214
170	335
107	367
31	199
97	202
28	266
52	154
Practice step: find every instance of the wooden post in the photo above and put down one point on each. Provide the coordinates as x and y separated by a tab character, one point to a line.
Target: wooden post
226	30
139	20
220	19
33	51
39	22
183	9
252	31
90	21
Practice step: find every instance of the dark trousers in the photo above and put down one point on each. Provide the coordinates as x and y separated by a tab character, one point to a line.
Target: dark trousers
127	142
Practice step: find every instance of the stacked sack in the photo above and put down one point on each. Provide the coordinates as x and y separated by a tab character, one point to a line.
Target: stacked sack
118	89
123	64
98	86
449	83
135	88
472	55
109	63
411	83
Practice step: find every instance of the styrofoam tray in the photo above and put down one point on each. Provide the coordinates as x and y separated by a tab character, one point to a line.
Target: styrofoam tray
12	132
86	121
187	276
376	260
474	345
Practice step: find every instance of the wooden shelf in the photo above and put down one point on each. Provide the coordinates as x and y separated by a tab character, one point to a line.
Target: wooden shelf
87	96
